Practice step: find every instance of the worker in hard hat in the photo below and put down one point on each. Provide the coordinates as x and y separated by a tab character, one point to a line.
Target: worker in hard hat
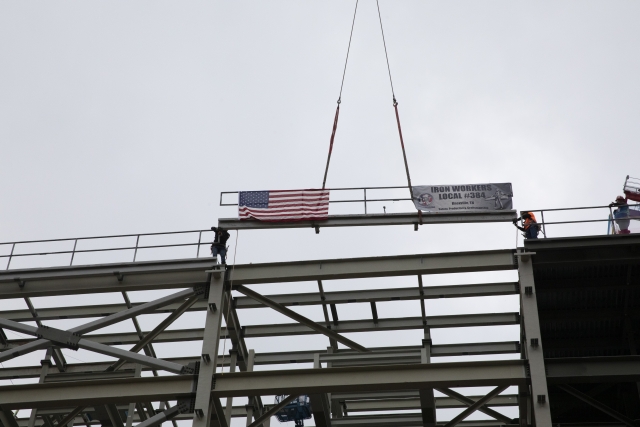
219	245
530	225
621	214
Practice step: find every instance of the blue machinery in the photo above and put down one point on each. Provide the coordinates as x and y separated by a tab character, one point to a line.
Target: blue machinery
297	410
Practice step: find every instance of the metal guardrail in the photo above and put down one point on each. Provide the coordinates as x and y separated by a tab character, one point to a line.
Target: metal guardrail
610	218
75	241
364	199
199	233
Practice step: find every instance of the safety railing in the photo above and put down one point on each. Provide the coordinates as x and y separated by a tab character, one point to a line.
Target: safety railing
15	247
605	214
335	193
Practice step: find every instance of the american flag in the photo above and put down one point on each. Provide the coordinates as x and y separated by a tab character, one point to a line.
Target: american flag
284	205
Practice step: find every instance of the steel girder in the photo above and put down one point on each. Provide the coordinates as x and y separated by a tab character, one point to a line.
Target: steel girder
373	219
394	377
342	358
341	297
354	268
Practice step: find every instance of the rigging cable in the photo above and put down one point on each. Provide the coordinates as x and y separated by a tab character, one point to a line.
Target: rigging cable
395	104
335	119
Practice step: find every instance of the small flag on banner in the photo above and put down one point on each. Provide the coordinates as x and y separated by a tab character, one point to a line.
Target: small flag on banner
284	205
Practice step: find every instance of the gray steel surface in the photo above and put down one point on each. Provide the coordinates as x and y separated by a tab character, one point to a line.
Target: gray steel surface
373	219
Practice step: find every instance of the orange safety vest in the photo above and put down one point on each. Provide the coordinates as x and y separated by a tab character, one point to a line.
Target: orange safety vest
529	221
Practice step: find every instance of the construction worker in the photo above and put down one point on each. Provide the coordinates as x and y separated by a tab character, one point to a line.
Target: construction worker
621	214
530	228
219	245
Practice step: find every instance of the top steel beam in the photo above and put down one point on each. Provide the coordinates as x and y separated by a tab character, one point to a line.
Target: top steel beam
191	272
410	218
353	268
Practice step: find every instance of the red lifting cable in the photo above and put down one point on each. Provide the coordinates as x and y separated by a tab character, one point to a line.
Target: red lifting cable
395	103
335	120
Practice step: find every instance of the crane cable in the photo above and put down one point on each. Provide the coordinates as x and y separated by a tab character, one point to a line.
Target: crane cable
335	119
395	104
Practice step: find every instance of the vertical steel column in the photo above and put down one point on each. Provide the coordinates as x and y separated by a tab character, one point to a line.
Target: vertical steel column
46	364
427	398
232	368
210	344
250	407
132	405
533	342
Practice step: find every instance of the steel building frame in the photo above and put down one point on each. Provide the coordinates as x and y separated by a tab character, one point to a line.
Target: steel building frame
342	383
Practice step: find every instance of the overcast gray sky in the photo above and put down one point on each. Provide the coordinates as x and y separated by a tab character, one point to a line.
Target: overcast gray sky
125	117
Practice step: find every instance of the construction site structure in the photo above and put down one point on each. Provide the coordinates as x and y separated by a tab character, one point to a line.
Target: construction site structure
576	362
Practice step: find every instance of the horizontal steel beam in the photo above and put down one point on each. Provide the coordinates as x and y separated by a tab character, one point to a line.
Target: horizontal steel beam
390	294
414	403
353	268
313	298
241	412
290	329
409	354
411	218
191	272
394	377
139	276
343	382
593	369
405	420
97	392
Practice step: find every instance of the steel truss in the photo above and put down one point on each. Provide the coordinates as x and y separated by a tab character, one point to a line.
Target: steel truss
342	383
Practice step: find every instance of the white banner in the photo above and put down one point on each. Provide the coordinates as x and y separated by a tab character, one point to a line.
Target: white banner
464	198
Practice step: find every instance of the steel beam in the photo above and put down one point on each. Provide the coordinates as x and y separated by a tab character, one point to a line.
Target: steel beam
470	401
373	220
132	312
191	272
97	392
138	276
321	409
404	420
404	403
301	319
148	338
312	298
272	411
406	354
533	343
299	381
394	377
475	406
593	369
118	353
255	331
353	268
204	407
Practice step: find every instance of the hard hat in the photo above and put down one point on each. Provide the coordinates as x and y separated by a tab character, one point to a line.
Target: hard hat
621	199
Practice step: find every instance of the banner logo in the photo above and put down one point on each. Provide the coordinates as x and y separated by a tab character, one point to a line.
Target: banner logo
425	200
